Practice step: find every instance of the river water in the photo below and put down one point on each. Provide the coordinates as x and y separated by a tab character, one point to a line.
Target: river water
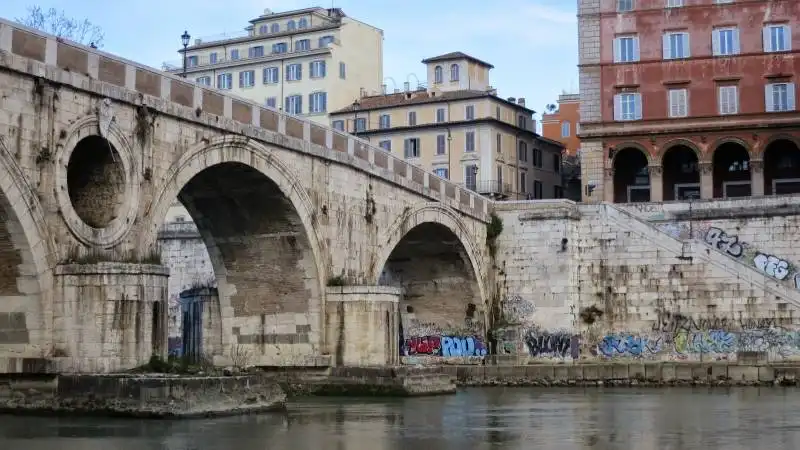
492	418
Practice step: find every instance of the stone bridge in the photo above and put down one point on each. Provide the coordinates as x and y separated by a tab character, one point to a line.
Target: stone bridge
316	238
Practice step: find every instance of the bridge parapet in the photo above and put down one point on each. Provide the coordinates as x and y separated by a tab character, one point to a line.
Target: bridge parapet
30	51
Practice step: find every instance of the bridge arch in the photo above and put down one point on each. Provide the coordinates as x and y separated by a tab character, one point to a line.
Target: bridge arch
255	219
26	260
432	254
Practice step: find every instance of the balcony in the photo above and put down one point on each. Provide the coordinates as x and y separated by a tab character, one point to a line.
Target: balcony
496	190
203	62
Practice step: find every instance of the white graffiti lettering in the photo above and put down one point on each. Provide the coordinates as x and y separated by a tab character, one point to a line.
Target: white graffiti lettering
717	238
772	266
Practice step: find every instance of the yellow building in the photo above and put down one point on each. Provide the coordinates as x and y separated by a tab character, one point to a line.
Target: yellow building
457	127
305	62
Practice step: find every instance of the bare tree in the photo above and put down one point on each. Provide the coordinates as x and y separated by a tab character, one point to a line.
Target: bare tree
59	24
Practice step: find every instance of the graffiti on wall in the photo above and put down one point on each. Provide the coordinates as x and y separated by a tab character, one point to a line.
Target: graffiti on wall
516	309
721	240
552	344
429	339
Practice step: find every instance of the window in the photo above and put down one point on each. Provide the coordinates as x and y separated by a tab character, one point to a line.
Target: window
302	23
317	69
386	145
191	61
342	71
317	102
454	72
225	81
779	97
523	182
280	47
728	99
471	177
204	81
624	5
565	129
384	121
247	78
469	113
678	103
557	163
674	3
522	151
628	106
440	115
234	54
725	41
441	172
521	122
676	45
497	113
302	45
212	58
262	29
412	118
537	158
325	40
498	142
411	148
271	75
500	177
291	25
361	124
626	49
537	189
255	52
338	125
275	28
272	102
294	72
438	74
294	104
440	144
720	2
777	38
469	141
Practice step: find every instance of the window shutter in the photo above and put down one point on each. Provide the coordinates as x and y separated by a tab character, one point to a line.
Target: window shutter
665	42
637	98
617	50
790	96
618	107
672	102
715	47
722	100
767	41
787	36
684	105
406	146
636	48
687	48
769	103
736	48
733	98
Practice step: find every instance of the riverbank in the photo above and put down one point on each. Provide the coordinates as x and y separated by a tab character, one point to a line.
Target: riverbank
140	395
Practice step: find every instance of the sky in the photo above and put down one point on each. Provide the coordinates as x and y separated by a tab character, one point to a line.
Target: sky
533	44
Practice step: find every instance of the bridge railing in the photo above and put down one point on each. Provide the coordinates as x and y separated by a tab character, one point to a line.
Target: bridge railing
80	64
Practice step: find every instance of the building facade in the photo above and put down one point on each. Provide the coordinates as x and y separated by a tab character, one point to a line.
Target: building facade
305	62
563	124
456	126
688	99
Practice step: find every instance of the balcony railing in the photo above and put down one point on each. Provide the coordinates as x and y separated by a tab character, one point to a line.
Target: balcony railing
204	61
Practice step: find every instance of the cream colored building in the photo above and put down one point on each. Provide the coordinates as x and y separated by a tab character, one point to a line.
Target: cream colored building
306	62
456	126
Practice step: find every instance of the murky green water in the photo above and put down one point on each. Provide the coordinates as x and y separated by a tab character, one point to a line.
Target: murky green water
498	418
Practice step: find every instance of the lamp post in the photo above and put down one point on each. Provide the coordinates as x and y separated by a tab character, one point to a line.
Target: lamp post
185	40
356	105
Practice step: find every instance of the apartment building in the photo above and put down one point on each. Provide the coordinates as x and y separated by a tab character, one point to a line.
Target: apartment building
456	126
305	62
688	99
562	125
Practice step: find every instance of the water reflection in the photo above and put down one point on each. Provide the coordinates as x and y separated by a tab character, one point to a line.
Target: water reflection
511	418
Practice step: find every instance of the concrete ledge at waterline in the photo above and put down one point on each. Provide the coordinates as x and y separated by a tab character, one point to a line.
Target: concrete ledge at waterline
143	396
374	382
628	374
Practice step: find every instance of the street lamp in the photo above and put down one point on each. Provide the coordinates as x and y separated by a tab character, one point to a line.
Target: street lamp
185	39
356	105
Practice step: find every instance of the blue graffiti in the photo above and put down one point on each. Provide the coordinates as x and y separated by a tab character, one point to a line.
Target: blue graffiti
629	345
468	346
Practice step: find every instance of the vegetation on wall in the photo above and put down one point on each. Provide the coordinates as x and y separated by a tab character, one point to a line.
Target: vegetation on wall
493	230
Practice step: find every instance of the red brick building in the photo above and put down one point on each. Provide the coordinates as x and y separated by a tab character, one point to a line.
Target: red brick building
689	98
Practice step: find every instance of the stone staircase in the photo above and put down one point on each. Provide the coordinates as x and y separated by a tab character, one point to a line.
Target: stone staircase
699	251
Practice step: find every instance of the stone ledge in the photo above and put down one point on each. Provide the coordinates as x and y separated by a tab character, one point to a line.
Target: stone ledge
363	289
111	268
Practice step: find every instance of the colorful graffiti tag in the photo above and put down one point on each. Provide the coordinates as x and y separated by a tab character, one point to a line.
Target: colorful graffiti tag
444	346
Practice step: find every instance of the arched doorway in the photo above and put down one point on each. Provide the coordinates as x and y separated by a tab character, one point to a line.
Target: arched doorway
782	168
681	175
731	171
441	313
260	301
631	177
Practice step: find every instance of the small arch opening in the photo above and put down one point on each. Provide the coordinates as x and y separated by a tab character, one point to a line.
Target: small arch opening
782	168
96	181
631	178
681	174
731	164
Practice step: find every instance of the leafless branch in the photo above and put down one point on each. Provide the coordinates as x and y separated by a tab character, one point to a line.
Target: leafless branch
59	24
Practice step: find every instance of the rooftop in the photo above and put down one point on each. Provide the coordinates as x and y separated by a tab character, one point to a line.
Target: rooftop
421	97
456	55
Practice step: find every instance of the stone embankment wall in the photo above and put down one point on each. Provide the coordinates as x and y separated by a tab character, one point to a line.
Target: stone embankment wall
706	281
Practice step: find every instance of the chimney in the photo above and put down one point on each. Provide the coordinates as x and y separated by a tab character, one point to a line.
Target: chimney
396	91
383	89
521	102
406	86
363	92
512	99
